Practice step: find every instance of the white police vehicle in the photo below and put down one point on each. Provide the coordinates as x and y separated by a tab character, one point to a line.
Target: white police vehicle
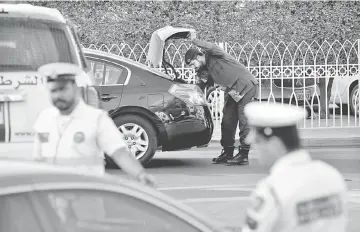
31	36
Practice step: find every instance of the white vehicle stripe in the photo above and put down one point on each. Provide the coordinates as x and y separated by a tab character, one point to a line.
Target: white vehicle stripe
7	121
352	198
215	199
210	187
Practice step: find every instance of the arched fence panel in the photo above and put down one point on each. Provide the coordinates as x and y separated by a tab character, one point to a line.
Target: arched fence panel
321	77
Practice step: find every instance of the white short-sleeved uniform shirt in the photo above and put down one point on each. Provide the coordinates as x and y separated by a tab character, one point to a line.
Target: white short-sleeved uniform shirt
79	139
299	195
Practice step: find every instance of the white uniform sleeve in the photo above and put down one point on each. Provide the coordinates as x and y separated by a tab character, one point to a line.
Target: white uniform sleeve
36	154
37	124
264	213
44	119
109	137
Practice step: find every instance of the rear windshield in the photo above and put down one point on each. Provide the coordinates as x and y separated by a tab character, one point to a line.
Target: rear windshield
28	44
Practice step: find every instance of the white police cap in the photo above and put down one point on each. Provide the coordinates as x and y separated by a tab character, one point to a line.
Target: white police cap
273	115
66	71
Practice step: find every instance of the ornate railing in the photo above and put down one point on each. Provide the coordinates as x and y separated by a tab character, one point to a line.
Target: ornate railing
299	74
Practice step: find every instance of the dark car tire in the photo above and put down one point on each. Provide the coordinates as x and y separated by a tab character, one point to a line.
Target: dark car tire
149	130
309	112
353	92
209	91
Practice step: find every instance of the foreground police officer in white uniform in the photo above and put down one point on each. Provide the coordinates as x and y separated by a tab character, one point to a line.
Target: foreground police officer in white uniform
300	194
73	133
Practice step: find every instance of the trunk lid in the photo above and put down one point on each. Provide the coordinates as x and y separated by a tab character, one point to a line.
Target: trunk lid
160	37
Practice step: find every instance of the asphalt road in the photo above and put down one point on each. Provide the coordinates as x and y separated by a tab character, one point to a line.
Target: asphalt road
222	192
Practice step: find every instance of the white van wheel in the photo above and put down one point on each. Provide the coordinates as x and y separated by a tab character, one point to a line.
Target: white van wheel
355	100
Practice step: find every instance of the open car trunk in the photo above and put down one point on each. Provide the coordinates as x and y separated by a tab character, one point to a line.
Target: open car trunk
157	46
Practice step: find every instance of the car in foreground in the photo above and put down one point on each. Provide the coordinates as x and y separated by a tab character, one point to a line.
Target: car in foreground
43	197
153	110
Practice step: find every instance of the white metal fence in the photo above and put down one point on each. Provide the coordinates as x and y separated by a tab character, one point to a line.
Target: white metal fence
299	74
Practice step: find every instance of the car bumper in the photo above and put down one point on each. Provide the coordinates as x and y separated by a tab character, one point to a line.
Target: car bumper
192	130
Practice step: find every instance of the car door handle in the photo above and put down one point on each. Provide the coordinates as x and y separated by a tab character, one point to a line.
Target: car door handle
107	97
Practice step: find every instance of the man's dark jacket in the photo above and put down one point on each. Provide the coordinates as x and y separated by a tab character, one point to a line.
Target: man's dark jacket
226	70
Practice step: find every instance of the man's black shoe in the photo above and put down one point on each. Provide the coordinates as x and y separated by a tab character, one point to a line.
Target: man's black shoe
227	154
240	159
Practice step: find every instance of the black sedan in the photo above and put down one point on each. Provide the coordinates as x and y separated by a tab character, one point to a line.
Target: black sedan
151	109
39	197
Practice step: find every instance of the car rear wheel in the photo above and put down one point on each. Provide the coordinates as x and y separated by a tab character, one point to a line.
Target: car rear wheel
355	100
139	136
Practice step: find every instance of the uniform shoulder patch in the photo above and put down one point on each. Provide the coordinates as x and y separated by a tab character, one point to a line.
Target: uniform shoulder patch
319	208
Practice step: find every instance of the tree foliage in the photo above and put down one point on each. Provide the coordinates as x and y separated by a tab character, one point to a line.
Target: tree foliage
114	22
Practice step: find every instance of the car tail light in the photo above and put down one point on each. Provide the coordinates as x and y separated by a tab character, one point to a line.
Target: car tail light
189	93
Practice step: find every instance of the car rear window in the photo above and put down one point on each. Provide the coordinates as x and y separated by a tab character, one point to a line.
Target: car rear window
28	44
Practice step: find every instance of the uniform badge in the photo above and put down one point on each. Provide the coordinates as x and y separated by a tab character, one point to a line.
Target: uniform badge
44	137
79	137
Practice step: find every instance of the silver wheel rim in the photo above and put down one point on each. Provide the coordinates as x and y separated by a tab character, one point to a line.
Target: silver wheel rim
136	139
356	101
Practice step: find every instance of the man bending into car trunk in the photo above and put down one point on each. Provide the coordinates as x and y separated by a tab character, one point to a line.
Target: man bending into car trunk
240	88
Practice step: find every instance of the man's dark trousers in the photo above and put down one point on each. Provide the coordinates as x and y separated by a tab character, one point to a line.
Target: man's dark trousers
233	114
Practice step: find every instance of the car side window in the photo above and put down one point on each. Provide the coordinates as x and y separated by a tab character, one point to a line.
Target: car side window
96	71
85	210
115	75
17	215
107	74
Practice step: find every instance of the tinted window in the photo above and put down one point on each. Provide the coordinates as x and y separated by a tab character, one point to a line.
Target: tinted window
29	44
96	72
16	214
87	210
107	74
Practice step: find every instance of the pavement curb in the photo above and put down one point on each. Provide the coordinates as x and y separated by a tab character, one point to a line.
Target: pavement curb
319	137
318	142
334	142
